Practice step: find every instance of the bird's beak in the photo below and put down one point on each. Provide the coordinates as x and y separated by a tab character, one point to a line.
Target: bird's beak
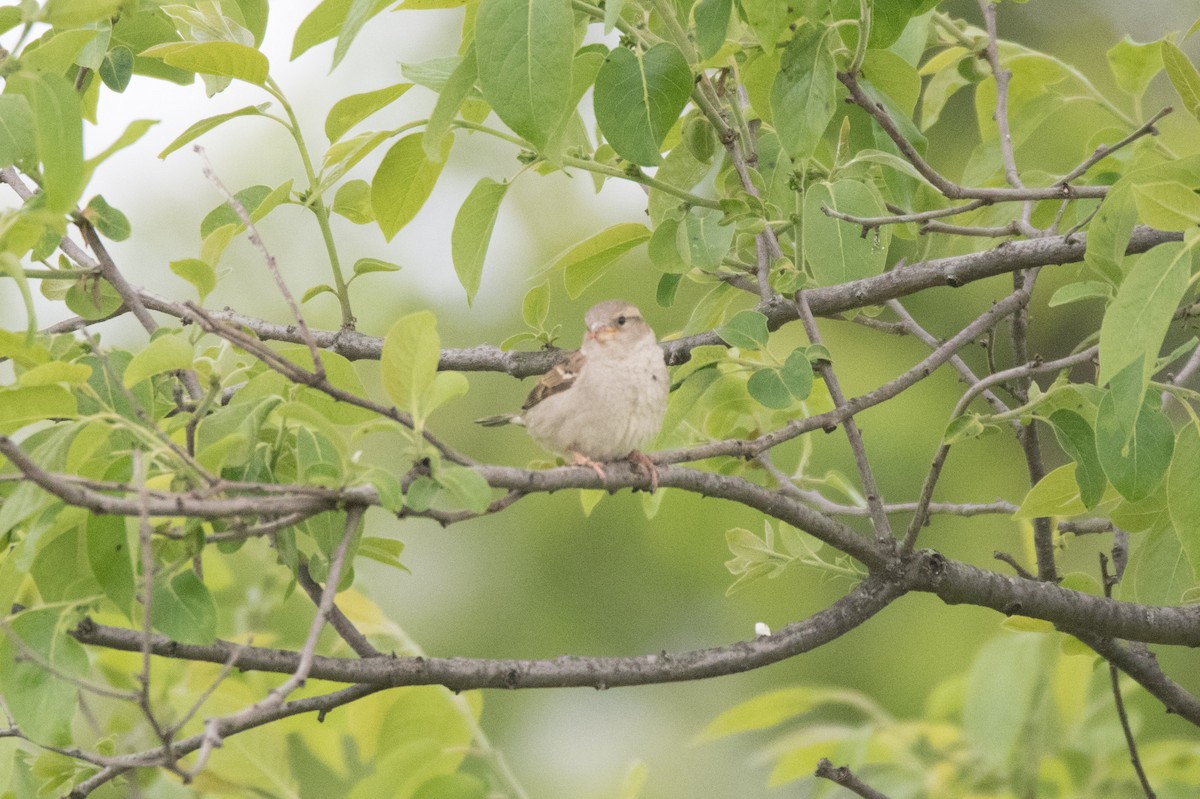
602	333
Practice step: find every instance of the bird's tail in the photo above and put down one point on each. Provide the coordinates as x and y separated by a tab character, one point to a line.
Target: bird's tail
501	420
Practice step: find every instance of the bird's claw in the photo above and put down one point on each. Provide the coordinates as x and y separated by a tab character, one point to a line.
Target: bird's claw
647	467
579	459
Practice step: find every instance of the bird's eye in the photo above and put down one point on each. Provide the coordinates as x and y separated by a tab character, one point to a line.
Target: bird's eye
620	320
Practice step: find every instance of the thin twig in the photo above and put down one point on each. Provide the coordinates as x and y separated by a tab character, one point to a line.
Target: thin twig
845	778
969	376
883	526
313	350
337	619
1114	676
1103	151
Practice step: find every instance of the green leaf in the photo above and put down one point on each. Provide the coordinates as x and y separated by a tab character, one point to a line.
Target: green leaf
75	13
184	610
421	493
225	59
1079	442
365	266
893	77
775	707
452	786
473	231
1183	76
1135	452
11	266
205	125
198	273
712	24
133	131
663	248
340	157
111	554
116	70
1167	206
638	97
450	99
802	96
383	550
797	374
701	238
1134	64
1001	693
1056	494
357	15
767	387
403	183
224	214
353	201
58	131
349	111
39	702
317	454
668	285
110	222
746	330
409	360
584	263
17	140
1183	500
1159	571
434	73
316	291
834	250
1136	322
324	22
445	387
166	353
1109	232
92	298
467	487
1084	290
53	55
525	50
536	305
20	406
52	372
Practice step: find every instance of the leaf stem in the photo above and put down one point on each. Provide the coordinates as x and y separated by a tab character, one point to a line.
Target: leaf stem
317	205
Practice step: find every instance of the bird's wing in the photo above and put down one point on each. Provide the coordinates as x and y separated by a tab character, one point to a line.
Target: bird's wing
561	377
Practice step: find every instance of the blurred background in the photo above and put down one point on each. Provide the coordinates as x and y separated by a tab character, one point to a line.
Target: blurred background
544	578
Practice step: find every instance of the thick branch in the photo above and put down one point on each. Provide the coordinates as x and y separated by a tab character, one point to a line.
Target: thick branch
952	271
863	602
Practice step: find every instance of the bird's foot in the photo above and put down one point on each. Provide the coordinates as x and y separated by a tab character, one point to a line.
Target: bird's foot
579	459
647	467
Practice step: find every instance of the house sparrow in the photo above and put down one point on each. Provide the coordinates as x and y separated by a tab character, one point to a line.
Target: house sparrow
606	400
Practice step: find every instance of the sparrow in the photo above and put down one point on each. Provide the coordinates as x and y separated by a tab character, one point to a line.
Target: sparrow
607	400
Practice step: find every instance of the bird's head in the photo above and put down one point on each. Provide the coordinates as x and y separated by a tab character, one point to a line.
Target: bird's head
615	321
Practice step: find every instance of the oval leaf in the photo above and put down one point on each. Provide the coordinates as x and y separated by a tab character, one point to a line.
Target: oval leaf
163	354
835	251
403	183
585	262
409	359
227	59
525	50
638	97
473	231
802	96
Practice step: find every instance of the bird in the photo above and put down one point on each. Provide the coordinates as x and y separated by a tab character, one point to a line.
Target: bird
606	400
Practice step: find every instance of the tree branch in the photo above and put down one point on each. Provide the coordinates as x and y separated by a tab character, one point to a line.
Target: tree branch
460	674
